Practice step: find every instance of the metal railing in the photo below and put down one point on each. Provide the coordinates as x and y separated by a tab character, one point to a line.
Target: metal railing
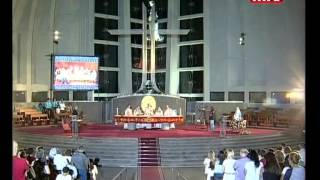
176	174
121	174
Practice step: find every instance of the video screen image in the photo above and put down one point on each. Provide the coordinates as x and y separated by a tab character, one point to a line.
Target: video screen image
75	72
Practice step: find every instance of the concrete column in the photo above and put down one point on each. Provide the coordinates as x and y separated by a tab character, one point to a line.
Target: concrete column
124	49
86	34
172	60
29	45
206	49
246	96
70	95
235	56
90	96
90	35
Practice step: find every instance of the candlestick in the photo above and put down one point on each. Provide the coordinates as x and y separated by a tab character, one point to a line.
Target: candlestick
117	111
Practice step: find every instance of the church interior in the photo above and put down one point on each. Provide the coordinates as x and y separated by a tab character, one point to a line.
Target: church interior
158	89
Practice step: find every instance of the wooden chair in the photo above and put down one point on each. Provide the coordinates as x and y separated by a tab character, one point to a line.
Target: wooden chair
18	119
249	116
282	119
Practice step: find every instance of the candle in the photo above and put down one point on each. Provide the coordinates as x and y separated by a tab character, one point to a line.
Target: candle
117	111
180	112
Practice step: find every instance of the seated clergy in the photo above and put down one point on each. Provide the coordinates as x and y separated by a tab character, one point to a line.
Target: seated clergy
168	111
148	110
138	111
159	111
128	111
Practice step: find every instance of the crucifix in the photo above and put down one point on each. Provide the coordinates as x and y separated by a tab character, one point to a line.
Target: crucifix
152	34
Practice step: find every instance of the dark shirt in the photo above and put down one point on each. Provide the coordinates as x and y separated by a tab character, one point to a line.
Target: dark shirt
39	170
30	159
287	174
212	115
74	112
271	176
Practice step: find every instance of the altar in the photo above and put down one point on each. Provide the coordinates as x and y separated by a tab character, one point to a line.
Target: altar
148	122
148	119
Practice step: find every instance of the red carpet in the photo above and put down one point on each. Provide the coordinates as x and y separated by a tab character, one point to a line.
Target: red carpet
106	130
148	152
153	173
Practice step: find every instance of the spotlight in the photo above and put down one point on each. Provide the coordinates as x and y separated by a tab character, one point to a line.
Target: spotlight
56	32
56	36
241	39
151	3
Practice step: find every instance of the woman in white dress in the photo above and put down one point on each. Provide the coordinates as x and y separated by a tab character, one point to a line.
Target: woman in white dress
252	169
206	163
228	163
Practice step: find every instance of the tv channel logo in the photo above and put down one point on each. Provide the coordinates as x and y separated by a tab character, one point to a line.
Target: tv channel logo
266	1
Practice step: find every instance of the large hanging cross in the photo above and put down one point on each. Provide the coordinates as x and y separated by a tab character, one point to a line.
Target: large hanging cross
149	86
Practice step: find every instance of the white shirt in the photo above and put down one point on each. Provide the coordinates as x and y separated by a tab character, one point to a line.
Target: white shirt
74	169
218	168
206	164
94	172
251	171
229	172
68	158
210	173
52	152
62	106
302	153
63	177
60	161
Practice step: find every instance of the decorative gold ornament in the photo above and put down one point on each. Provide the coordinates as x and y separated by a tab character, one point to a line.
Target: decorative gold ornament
148	100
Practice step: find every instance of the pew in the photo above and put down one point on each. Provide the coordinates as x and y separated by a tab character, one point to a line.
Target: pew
39	119
18	119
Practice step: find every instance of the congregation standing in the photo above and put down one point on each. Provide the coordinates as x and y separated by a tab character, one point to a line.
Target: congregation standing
272	164
55	165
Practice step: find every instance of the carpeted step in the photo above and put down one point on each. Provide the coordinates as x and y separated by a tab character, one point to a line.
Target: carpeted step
143	149
142	164
148	144
148	152
153	159
148	156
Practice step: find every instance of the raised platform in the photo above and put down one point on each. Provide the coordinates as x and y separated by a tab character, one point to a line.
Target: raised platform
185	146
106	130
